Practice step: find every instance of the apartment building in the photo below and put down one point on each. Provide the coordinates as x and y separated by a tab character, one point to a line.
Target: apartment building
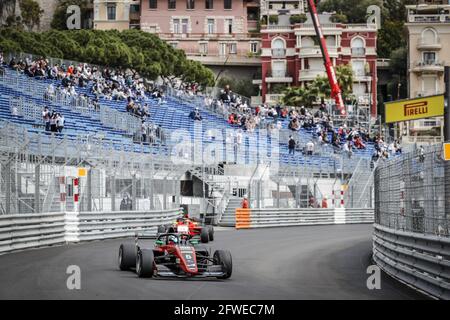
116	14
222	34
291	55
428	27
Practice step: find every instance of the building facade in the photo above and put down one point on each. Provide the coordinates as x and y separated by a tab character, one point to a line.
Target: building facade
291	55
222	34
116	14
428	27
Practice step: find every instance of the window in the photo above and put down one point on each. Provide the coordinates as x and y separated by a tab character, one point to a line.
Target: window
203	48
228	25
278	69
278	49
184	25
227	4
174	44
111	12
254	47
209	4
210	25
172	4
233	48
429	57
190	4
358	47
176	26
429	85
134	8
153	4
358	67
222	49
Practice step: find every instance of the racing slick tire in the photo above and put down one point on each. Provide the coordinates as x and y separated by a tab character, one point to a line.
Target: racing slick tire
204	235
127	256
211	233
145	263
223	258
162	229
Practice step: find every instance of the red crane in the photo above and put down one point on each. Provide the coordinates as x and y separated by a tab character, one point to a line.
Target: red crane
336	92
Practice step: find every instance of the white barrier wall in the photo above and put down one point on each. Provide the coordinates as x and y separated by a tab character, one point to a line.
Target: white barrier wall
260	218
23	231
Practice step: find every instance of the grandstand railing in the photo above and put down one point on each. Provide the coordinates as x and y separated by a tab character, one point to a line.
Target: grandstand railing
35	89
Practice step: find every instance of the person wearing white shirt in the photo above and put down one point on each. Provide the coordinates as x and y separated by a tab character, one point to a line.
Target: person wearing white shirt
310	148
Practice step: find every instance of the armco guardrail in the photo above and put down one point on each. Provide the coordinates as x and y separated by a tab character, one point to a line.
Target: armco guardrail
422	261
23	231
259	218
86	226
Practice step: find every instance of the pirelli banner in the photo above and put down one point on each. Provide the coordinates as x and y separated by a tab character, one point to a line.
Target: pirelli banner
405	110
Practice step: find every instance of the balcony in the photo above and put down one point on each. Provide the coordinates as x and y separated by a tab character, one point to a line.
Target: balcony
312	52
428	66
273	98
358	52
425	44
310	75
428	18
276	27
279	77
278	53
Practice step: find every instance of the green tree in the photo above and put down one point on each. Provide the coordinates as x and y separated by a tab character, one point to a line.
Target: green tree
320	88
60	15
31	13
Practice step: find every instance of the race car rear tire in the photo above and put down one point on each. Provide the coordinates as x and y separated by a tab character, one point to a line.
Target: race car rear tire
127	256
204	235
223	258
161	229
145	263
211	233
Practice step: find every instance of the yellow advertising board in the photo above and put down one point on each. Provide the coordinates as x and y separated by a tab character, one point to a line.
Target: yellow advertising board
412	109
82	172
447	151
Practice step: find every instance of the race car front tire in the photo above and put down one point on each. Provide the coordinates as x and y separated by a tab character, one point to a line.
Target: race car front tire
145	263
127	256
223	258
211	233
204	235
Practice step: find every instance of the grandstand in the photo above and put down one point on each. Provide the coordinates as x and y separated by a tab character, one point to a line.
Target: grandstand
263	159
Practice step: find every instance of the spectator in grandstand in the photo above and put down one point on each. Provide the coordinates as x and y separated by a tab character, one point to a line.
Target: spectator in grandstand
195	115
310	148
1	58
421	154
144	131
60	122
348	148
291	145
46	118
53	126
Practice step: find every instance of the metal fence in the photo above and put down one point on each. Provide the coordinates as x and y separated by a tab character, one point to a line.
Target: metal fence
412	192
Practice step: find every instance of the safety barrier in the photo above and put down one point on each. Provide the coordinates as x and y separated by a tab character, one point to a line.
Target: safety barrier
24	231
421	261
260	218
87	226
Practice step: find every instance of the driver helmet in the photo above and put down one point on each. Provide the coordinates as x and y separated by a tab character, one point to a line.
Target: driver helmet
172	239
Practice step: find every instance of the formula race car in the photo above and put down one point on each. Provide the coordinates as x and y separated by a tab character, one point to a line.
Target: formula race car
174	255
191	226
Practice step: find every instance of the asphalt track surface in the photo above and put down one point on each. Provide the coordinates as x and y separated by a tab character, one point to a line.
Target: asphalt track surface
314	262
